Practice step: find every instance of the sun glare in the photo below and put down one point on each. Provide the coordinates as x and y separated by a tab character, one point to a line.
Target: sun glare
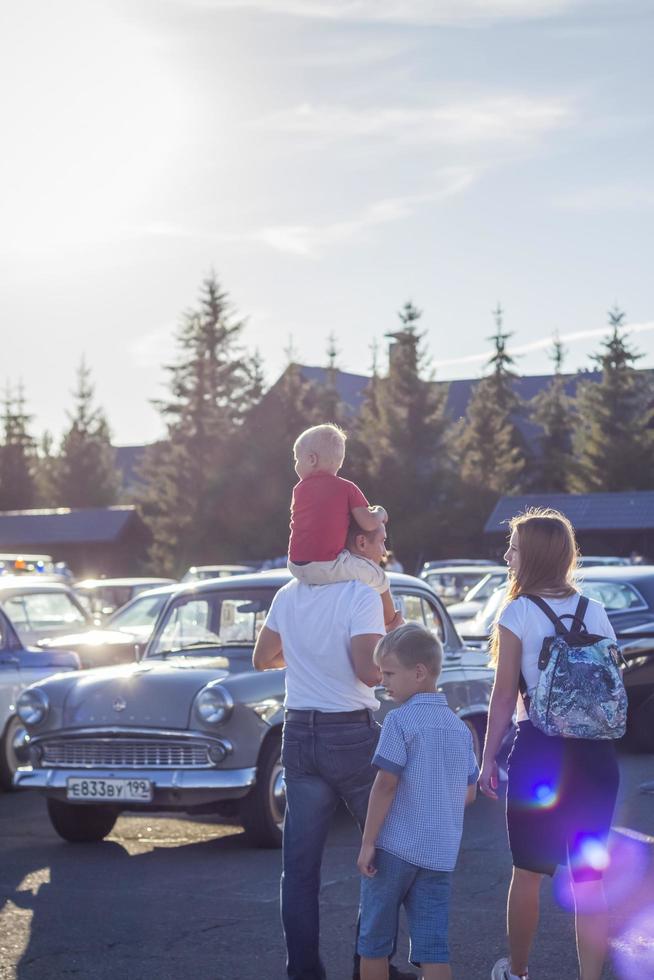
93	130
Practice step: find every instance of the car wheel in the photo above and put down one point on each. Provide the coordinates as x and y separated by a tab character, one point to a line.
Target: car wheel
640	731
11	754
81	824
262	810
476	725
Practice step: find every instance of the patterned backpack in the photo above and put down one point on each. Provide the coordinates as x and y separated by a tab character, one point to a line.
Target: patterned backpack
580	691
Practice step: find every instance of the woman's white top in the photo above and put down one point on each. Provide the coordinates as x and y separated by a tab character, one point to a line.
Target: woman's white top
526	621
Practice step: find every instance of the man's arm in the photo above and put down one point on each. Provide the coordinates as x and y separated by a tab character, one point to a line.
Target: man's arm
268	653
362	648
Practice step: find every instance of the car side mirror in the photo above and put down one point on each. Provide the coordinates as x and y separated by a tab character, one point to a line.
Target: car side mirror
138	651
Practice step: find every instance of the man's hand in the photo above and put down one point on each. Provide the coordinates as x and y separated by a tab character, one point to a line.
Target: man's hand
365	861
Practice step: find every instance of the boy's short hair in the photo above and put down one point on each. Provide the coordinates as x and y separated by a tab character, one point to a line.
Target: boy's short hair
327	441
412	645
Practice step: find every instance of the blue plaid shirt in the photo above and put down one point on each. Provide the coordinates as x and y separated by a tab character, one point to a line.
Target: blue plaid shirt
430	749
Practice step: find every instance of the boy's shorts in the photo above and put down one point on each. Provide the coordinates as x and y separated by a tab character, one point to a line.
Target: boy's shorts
425	895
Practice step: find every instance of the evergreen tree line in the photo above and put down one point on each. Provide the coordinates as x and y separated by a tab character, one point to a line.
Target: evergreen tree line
217	487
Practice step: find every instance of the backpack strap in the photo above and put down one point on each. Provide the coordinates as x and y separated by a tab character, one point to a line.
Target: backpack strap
580	612
551	615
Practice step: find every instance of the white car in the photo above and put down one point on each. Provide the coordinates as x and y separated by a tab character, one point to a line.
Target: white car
20	667
39	610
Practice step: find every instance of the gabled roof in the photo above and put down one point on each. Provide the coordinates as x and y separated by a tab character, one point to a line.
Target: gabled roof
587	511
91	525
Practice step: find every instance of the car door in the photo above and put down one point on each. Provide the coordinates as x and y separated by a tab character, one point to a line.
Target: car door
11	683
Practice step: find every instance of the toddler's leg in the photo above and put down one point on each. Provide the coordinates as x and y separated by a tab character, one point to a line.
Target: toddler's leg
392	618
376	969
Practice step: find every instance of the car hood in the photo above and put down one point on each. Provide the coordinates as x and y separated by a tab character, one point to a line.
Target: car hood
92	638
464	610
150	694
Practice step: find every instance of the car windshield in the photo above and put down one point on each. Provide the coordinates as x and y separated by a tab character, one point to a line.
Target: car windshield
210	620
141	612
484	589
614	596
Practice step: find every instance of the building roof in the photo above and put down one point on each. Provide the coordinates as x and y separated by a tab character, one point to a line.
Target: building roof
587	511
91	525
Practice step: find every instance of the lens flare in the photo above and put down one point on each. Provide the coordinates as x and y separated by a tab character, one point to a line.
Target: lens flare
545	795
623	862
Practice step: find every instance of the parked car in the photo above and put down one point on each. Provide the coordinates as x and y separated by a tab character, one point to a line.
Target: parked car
449	562
20	667
199	573
39	609
102	596
191	726
475	599
627	593
587	561
122	638
452	582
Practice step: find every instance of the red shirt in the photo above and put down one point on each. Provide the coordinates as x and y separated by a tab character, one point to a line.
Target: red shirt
320	516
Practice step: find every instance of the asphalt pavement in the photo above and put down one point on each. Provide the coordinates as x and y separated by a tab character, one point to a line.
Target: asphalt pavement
168	897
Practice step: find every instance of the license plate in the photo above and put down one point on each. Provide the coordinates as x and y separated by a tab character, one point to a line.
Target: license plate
124	790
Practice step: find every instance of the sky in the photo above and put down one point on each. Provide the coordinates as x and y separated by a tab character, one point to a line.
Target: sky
330	160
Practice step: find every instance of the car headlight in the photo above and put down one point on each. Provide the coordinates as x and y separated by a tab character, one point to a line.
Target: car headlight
32	706
214	705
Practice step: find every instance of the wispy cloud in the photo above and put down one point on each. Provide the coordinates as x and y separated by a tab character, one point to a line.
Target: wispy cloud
421	12
544	343
609	197
510	119
310	240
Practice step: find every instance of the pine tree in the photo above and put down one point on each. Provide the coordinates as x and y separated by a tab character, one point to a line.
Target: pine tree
17	455
403	430
613	437
552	411
490	447
212	386
86	473
45	476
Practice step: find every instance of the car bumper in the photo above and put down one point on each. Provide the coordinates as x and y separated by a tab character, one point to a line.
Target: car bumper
170	787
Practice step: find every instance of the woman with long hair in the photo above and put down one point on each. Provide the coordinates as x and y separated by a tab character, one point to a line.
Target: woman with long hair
561	792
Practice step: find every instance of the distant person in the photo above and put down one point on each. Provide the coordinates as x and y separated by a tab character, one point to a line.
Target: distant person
326	638
427	772
561	791
322	506
392	564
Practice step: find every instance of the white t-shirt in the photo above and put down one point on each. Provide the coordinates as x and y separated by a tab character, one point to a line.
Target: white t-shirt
531	626
316	623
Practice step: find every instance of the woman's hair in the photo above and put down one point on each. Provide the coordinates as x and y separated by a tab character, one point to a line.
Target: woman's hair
548	559
327	441
412	645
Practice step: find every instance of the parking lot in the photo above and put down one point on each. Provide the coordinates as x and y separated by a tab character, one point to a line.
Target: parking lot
167	897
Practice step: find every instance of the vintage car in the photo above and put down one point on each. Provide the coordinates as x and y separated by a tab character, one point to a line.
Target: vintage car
103	596
122	637
192	726
20	666
40	609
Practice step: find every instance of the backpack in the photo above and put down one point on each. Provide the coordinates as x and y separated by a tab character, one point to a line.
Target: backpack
580	692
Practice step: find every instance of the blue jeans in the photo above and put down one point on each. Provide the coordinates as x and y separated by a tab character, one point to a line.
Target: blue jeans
324	762
425	895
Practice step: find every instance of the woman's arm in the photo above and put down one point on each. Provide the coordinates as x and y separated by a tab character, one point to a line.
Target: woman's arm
502	706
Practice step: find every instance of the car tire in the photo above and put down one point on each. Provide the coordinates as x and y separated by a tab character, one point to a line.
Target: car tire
476	725
81	823
262	810
9	760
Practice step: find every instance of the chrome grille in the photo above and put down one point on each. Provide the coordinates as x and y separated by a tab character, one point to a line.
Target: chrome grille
125	753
